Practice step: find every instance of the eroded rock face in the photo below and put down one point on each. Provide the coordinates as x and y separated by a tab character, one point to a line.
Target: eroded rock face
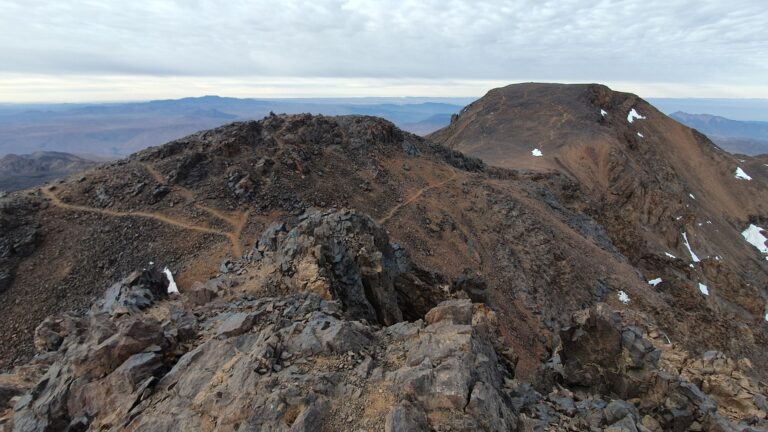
290	363
599	356
138	291
330	348
598	353
347	256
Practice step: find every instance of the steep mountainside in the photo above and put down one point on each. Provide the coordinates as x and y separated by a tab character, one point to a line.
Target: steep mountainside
343	240
23	171
660	189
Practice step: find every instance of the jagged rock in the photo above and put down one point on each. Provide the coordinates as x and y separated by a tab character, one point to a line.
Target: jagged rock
341	255
597	353
619	409
315	337
51	332
473	284
159	192
138	291
453	311
290	363
626	424
202	293
405	417
236	324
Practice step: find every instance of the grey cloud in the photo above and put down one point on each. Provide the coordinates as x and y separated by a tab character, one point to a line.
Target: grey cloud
573	40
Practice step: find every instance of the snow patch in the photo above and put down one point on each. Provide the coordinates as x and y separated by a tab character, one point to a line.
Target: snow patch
623	297
640	135
694	258
691	195
172	288
654	282
603	112
536	152
741	175
755	237
634	115
703	288
670	255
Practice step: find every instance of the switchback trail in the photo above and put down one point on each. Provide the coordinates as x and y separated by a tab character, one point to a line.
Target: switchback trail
414	197
237	222
233	237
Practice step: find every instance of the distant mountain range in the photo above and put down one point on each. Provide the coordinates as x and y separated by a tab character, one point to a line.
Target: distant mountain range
744	137
48	136
119	129
23	171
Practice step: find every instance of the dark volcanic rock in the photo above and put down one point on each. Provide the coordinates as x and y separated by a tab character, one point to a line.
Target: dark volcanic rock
332	352
346	256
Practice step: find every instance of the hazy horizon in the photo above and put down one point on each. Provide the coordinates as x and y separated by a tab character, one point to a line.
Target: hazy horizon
100	51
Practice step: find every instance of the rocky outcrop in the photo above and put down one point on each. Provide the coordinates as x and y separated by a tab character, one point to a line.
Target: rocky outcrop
314	358
19	237
326	347
600	357
347	256
292	363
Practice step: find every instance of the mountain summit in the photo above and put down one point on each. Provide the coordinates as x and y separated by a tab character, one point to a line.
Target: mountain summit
311	273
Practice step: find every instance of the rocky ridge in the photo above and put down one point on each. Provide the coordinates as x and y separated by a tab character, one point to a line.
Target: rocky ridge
246	219
332	352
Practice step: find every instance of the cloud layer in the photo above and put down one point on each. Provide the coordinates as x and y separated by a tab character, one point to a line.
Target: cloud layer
699	43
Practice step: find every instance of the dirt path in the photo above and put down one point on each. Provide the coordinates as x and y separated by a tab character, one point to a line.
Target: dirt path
155	174
236	221
414	197
233	237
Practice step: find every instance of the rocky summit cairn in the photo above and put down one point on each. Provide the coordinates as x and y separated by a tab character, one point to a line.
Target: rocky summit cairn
333	333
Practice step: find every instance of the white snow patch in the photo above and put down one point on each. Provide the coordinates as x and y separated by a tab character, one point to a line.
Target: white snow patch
703	288
670	255
640	135
536	152
694	258
678	218
623	297
741	175
755	237
603	112
691	195
634	115
654	282
172	288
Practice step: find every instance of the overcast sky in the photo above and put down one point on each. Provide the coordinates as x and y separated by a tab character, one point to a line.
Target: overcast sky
89	50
